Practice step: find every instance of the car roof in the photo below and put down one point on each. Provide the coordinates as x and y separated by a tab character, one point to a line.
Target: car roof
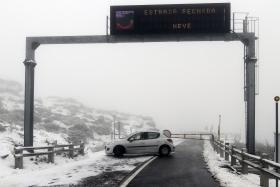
146	131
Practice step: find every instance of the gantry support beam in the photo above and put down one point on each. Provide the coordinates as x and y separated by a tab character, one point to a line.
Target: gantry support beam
250	87
248	39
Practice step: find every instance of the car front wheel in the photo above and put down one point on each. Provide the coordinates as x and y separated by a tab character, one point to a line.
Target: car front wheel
164	150
119	151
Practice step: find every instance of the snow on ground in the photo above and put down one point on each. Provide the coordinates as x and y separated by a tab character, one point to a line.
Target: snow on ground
60	124
66	171
7	139
41	137
11	102
272	183
225	177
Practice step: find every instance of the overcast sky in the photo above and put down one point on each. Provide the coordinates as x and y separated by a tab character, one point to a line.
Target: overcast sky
183	86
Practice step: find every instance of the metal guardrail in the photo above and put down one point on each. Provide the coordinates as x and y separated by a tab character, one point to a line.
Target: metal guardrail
20	152
268	169
196	136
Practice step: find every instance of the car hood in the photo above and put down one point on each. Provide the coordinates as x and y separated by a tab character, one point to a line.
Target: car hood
114	142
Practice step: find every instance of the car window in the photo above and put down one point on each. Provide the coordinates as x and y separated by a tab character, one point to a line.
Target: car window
144	136
152	135
135	137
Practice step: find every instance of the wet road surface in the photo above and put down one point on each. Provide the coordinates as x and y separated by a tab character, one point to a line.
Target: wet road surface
184	168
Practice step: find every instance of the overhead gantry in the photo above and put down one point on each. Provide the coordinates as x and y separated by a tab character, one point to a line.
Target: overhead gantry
248	39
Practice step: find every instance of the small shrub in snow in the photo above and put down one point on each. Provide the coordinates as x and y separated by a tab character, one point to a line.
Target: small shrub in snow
2	128
79	133
51	127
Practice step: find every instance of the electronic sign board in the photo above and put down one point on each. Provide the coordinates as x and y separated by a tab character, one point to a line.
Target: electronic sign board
170	19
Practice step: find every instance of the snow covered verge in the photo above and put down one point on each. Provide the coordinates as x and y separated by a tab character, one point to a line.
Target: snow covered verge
67	171
226	177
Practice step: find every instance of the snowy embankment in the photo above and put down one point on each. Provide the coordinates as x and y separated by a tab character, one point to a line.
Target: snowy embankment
64	171
67	171
226	177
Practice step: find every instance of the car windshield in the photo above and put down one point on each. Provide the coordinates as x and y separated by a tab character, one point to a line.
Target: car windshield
136	136
129	135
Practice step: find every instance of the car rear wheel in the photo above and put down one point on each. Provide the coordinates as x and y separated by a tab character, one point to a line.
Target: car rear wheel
164	150
119	151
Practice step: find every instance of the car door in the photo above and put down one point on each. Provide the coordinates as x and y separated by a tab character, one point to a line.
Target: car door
135	144
150	142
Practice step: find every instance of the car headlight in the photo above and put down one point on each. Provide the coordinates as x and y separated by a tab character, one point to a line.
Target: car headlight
108	145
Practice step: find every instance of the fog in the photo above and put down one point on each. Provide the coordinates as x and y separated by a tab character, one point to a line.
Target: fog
184	86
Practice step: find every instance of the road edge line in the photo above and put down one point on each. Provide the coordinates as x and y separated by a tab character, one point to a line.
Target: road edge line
135	172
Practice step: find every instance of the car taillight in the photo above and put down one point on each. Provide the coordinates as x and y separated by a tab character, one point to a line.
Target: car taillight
170	140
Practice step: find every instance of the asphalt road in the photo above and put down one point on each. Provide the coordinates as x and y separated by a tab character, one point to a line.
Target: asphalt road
184	168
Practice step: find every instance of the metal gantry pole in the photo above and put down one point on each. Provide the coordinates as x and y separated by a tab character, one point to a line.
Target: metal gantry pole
29	102
250	92
29	91
276	99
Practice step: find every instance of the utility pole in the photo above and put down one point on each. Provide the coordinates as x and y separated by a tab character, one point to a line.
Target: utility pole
119	129
107	25
219	128
276	99
114	127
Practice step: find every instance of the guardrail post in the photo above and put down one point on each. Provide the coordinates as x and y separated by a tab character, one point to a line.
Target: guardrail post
233	160
264	179
221	150
214	145
244	166
218	147
82	149
51	155
227	151
184	136
71	150
18	158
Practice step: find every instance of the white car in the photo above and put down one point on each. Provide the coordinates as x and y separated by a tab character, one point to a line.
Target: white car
151	142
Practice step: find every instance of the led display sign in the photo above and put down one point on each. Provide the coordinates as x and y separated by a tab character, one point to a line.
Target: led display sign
170	19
